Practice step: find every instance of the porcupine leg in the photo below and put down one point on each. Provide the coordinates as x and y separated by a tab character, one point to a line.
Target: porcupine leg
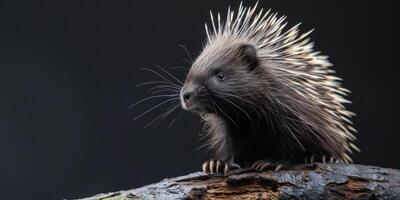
222	161
222	165
216	166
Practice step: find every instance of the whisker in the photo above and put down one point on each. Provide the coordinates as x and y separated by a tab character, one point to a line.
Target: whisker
173	121
162	116
159	75
163	90
179	67
168	84
187	52
169	74
158	105
186	60
240	108
243	100
225	113
165	87
153	97
238	97
153	82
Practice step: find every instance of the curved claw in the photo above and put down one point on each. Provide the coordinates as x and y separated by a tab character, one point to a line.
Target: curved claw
230	165
261	165
255	164
278	167
236	166
204	167
226	169
212	166
264	166
218	165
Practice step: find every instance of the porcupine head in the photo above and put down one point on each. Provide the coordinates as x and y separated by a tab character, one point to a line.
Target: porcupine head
266	97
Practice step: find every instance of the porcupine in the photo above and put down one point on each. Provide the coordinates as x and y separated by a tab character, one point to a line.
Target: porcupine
268	100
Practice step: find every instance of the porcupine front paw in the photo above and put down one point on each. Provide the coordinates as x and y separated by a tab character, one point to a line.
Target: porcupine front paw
216	166
262	165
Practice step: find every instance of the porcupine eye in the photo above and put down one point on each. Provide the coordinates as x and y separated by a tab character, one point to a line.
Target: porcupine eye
221	76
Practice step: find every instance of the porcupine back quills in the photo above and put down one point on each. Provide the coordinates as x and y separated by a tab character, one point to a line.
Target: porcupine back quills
265	94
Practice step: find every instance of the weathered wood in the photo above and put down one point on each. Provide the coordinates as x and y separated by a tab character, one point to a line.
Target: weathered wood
317	181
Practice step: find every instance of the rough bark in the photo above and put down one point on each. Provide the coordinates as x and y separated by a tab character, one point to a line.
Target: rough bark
316	181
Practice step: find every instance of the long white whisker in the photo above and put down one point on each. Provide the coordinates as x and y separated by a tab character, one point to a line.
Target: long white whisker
179	67
173	88
159	75
242	99
164	90
186	60
153	97
236	106
225	113
187	52
162	116
155	82
158	105
173	121
169	74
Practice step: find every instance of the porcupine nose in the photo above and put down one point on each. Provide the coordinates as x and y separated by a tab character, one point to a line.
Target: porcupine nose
198	94
187	95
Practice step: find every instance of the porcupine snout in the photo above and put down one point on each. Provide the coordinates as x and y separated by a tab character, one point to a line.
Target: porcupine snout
192	97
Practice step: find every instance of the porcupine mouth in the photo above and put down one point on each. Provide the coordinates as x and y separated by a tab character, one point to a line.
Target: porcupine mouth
199	106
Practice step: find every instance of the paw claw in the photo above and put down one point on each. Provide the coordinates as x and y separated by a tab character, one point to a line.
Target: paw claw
278	167
214	166
236	166
226	169
218	165
255	164
204	167
262	165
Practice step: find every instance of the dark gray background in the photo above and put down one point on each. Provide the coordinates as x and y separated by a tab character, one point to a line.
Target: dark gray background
68	71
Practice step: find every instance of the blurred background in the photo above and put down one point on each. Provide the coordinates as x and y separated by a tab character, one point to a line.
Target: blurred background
69	70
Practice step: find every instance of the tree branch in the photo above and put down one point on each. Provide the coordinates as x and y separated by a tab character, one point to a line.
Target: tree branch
316	181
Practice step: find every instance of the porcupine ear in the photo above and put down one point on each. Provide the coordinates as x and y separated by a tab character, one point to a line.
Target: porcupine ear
249	55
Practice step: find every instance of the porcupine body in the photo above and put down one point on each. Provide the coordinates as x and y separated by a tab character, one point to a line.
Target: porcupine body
266	97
